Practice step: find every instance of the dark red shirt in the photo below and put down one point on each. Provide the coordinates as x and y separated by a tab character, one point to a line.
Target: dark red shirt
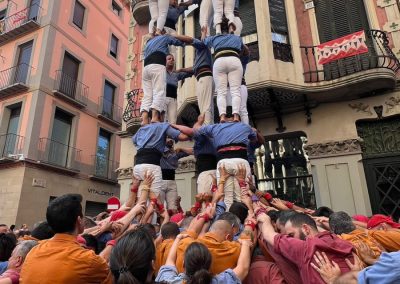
263	272
301	253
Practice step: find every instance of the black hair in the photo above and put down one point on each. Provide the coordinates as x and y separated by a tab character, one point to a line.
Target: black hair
274	215
299	219
169	230
197	264
323	211
284	216
43	231
23	233
231	218
131	258
12	227
7	244
91	242
63	212
150	229
240	210
341	223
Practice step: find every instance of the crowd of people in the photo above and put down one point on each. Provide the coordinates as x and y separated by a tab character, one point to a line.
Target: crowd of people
233	233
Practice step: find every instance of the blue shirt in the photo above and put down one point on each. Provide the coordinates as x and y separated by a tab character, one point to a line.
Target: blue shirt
3	266
224	41
385	271
160	44
251	149
174	77
203	145
169	159
203	56
228	133
154	135
169	274
244	60
174	14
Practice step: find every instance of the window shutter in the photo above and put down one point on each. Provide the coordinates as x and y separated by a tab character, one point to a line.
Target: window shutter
277	14
248	17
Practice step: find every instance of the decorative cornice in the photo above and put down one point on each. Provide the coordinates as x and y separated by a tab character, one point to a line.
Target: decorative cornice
385	3
187	165
334	148
361	107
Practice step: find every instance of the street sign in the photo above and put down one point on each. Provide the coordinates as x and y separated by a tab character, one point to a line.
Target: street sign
113	204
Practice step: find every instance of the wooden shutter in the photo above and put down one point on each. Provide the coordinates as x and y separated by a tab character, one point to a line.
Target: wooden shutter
248	17
277	14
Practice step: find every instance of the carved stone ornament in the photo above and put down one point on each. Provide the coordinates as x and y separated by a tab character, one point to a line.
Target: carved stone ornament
361	107
333	148
385	3
186	165
125	173
391	103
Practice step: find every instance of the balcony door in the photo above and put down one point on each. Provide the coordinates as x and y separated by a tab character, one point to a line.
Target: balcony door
69	75
102	153
108	100
24	58
11	139
34	10
338	18
58	145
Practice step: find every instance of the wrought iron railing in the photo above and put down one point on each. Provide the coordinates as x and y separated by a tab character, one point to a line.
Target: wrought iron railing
109	110
132	109
15	75
104	168
11	146
20	18
71	87
59	154
297	189
282	51
379	56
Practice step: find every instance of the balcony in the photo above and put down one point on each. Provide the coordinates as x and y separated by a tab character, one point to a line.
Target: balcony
11	146
140	11
22	22
15	79
377	67
109	112
70	89
59	155
131	113
104	169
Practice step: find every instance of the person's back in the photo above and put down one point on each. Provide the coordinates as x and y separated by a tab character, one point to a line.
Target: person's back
61	259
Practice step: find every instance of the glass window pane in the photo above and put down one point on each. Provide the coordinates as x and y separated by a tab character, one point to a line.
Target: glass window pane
114	46
102	154
79	13
108	100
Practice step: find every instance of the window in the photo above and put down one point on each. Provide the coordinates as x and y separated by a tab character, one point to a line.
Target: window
108	100
102	153
280	31
12	142
24	58
79	14
3	14
116	8
60	138
92	208
114	46
69	76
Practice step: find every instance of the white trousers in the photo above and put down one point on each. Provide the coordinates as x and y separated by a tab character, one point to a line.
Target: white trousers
169	194
170	108
140	170
206	15
239	26
228	70
205	181
204	93
154	87
158	13
244	115
232	188
223	7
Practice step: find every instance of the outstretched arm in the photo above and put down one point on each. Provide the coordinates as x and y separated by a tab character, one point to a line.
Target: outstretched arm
184	38
183	129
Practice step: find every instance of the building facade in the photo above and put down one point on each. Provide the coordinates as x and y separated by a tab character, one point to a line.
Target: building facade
331	128
62	80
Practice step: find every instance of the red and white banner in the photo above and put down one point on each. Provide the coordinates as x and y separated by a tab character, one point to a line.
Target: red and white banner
343	47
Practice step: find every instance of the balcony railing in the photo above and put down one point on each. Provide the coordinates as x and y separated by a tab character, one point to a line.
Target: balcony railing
19	23
131	113
70	89
140	11
15	79
104	168
109	111
282	51
379	56
58	154
11	146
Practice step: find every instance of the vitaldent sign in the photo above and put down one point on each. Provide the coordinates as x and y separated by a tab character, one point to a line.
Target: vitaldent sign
100	192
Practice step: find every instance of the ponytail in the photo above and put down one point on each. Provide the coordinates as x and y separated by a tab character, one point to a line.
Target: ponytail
201	276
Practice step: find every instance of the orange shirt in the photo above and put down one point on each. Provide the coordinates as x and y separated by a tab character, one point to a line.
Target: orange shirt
362	236
390	240
62	260
162	251
224	254
180	253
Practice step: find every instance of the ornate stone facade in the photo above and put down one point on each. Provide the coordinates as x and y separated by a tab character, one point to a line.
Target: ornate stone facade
334	148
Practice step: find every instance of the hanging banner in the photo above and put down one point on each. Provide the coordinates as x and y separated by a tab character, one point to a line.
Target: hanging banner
343	47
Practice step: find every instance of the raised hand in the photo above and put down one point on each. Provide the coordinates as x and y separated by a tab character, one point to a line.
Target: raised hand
328	270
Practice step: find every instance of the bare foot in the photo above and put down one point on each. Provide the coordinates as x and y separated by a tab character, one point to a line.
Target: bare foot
145	118
155	116
232	28
236	117
222	118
